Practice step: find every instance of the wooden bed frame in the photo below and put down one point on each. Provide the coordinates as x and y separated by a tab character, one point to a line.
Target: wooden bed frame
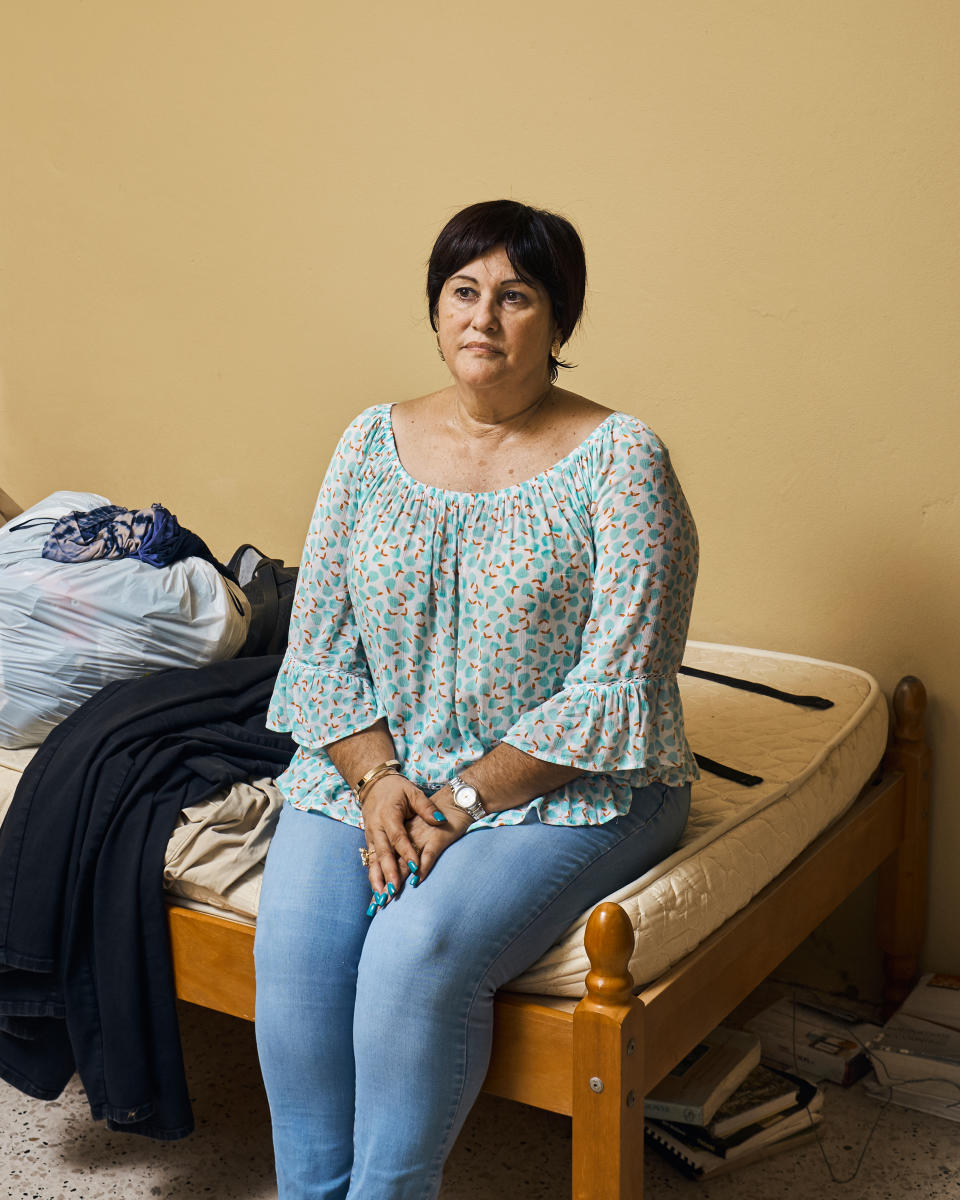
596	1062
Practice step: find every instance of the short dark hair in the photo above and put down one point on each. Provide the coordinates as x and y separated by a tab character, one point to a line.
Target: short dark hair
542	246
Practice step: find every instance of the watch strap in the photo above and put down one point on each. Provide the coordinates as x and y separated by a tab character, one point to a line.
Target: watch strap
476	810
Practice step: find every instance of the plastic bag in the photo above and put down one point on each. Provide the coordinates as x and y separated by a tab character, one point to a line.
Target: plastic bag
67	629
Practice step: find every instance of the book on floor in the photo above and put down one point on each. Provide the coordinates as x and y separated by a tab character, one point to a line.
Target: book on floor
699	1163
701	1082
765	1091
806	1099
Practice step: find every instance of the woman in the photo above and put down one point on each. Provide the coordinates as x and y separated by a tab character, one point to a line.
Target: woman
491	610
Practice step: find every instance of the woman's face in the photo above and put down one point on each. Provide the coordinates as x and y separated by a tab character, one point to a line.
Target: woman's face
494	328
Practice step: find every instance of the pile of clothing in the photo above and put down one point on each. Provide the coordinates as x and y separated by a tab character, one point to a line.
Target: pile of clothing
142	668
86	982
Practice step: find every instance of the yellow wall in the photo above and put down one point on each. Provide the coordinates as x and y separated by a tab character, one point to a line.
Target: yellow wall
215	217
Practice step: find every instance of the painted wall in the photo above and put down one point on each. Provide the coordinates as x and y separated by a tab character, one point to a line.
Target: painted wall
215	218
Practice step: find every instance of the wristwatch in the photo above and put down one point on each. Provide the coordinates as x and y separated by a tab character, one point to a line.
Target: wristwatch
465	797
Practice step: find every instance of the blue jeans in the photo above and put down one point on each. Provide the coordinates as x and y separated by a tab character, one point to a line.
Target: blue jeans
374	1034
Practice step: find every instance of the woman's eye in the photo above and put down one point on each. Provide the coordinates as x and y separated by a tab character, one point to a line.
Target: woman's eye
514	297
463	293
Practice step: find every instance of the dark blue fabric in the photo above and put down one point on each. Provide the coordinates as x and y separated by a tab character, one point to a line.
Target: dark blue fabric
85	976
154	535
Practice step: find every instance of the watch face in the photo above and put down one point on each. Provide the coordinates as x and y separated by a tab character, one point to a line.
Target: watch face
465	796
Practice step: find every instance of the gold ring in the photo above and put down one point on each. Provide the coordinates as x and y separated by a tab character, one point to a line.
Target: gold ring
365	856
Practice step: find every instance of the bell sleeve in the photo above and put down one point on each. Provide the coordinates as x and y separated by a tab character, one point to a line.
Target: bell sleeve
324	690
619	708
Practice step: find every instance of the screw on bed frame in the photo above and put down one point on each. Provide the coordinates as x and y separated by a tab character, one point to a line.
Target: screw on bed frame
596	1084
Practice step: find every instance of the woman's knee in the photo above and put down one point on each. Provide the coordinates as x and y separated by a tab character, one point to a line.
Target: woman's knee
412	956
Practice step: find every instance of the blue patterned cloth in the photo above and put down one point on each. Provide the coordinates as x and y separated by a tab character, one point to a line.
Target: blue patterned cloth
154	535
550	615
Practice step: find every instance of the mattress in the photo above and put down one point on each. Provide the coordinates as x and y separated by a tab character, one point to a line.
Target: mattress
811	764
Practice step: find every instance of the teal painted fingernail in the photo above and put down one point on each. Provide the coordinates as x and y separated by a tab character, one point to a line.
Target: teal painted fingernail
391	889
372	909
382	898
414	880
438	816
412	865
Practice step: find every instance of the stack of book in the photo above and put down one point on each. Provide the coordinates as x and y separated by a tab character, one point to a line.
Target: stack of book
721	1108
916	1057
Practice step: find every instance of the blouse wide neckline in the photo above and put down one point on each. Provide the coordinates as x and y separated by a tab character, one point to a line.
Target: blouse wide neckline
533	481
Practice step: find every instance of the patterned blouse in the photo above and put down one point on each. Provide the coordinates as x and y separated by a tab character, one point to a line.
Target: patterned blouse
550	614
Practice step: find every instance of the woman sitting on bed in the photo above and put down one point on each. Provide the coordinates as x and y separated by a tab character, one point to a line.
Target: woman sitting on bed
481	678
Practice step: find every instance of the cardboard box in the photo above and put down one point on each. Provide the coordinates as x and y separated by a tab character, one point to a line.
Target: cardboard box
812	1042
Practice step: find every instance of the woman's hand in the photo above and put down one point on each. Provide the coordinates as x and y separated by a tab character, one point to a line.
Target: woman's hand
432	838
390	804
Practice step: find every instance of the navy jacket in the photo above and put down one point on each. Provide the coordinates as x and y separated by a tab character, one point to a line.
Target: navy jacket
85	977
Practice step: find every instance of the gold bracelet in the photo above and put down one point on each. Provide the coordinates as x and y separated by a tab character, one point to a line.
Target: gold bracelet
362	793
390	767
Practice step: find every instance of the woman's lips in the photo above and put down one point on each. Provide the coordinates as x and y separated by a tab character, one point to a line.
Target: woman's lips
483	347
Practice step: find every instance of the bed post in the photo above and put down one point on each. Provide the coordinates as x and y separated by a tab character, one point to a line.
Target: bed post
607	1058
902	904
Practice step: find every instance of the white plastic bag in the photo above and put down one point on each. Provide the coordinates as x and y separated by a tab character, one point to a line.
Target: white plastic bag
67	629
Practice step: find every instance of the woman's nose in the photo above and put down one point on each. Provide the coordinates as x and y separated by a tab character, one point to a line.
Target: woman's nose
484	313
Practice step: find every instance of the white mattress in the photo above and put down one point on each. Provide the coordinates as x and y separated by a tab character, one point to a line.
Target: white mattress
813	763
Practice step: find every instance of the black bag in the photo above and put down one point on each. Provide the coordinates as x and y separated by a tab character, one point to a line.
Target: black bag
269	586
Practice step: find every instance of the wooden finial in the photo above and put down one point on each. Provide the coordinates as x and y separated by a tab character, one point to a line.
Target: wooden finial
609	942
909	706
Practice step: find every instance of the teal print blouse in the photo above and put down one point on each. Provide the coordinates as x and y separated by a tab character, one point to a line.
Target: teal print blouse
551	615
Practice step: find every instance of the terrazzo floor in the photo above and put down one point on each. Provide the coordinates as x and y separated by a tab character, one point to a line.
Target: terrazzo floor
53	1151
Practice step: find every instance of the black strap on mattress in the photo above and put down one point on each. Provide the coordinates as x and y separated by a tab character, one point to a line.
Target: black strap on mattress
761	689
724	772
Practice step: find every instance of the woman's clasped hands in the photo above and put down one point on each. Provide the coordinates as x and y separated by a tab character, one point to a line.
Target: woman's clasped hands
406	832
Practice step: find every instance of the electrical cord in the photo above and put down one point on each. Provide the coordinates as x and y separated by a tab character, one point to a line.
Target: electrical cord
888	1083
